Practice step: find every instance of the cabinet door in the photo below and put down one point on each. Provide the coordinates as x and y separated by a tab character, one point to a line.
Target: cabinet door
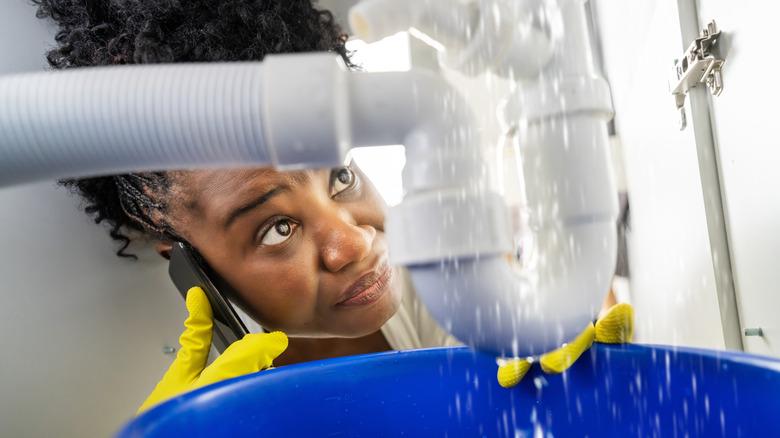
673	283
744	118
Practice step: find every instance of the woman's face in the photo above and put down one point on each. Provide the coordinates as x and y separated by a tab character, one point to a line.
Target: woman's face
305	251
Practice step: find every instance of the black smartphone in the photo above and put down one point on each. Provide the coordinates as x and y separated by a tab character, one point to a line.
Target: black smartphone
187	269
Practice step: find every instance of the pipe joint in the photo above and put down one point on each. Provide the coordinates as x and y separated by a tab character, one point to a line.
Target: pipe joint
305	102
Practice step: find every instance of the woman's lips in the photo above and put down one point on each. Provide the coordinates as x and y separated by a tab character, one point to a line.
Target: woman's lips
368	288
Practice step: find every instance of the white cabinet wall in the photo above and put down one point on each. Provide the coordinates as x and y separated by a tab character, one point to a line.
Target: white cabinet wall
705	201
744	118
672	278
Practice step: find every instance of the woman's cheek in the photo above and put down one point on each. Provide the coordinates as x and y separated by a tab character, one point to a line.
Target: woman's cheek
286	296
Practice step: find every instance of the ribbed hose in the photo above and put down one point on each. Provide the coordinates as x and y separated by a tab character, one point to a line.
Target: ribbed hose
97	121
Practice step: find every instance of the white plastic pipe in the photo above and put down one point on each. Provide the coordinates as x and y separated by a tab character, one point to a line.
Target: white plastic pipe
95	121
513	38
481	296
290	111
449	22
426	114
510	310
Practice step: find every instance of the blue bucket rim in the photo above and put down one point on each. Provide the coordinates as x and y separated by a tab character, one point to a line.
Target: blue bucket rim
180	404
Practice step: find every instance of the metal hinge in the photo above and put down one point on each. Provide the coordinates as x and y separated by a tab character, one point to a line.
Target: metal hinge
698	65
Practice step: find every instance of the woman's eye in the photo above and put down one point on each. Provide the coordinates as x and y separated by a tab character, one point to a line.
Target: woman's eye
342	179
279	232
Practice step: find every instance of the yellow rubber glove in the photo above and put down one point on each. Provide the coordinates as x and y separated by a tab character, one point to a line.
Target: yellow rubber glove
616	327
188	371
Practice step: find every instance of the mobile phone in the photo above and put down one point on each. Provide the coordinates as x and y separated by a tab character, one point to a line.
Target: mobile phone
187	269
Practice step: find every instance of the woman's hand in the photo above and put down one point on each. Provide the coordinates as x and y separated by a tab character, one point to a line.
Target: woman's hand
616	327
188	371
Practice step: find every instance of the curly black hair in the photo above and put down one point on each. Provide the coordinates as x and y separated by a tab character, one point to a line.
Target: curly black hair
111	32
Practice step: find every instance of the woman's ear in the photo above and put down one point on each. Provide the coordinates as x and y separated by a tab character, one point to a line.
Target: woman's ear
164	249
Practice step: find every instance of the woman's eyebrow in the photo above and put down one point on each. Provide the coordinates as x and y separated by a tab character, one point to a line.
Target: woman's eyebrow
246	208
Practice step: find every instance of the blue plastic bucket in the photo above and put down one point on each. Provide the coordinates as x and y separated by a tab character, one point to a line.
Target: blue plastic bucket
627	390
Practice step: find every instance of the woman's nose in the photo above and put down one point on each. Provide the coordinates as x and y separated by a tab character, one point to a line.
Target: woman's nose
344	242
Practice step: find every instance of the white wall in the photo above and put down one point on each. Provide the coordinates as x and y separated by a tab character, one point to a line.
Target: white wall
81	331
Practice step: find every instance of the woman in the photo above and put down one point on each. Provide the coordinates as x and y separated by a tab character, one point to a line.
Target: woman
305	251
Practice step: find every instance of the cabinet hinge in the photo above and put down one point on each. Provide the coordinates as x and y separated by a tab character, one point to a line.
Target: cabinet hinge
698	65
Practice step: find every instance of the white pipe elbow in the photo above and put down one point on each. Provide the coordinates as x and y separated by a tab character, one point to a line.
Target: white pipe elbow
492	302
444	166
423	112
506	311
